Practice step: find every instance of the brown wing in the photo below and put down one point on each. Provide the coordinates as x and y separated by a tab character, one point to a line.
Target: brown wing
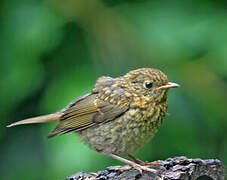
85	112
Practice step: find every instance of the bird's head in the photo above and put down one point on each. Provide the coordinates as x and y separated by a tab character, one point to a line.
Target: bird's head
149	83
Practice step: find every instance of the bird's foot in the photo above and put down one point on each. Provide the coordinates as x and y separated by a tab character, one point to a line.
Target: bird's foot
130	163
151	163
135	166
143	163
143	168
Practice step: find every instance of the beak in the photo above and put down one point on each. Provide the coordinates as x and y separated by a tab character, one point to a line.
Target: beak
167	86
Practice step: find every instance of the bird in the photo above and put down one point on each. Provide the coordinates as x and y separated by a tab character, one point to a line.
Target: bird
118	116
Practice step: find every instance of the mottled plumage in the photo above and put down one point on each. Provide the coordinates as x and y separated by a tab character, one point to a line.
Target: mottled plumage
119	115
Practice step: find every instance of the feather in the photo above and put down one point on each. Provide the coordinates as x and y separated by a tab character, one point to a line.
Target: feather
39	119
86	112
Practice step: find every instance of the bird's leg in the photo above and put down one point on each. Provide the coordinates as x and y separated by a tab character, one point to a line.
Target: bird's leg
130	163
137	161
142	163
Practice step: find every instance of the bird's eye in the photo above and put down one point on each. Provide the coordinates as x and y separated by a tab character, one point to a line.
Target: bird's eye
148	85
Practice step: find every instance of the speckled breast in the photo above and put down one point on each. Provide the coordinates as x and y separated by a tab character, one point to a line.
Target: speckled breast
126	133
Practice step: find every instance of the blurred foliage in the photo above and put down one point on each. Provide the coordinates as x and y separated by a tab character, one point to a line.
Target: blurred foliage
53	51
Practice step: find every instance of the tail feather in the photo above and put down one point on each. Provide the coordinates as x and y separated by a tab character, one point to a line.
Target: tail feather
39	119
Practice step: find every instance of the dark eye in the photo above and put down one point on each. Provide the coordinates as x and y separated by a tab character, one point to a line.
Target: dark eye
148	85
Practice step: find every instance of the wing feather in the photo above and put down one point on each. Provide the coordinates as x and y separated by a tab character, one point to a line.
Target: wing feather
85	112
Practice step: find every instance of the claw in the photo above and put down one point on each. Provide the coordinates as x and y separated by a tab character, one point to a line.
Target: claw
124	168
144	168
130	163
137	167
152	163
142	163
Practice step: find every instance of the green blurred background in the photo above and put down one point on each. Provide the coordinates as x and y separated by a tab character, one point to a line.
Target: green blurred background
53	51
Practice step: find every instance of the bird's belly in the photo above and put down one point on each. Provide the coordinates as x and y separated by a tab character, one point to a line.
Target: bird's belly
121	136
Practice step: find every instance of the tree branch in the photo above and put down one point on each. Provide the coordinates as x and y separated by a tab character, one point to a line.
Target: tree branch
170	169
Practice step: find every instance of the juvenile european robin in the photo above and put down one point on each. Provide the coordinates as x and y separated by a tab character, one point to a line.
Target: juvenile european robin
118	116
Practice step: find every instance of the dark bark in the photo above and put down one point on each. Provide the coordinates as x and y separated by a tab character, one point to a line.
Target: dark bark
171	169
